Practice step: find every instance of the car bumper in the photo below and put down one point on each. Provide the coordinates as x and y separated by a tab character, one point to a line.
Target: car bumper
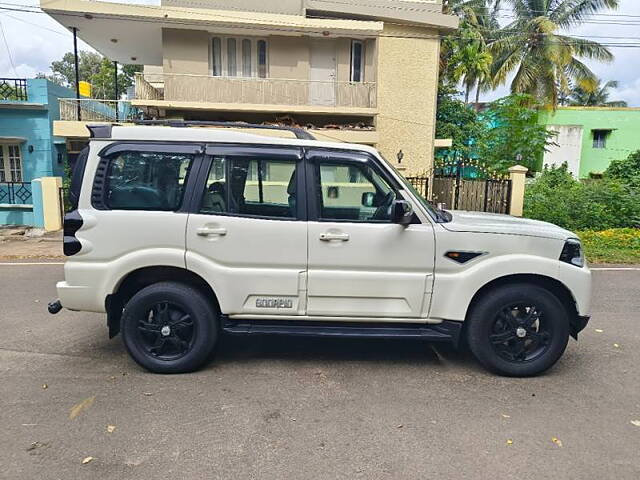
80	298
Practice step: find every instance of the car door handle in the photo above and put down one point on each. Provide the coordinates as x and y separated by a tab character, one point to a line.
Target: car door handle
210	232
328	237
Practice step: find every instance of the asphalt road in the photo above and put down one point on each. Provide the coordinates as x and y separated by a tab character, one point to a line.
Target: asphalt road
311	409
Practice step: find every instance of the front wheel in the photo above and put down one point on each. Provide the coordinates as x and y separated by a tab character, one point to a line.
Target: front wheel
169	328
518	330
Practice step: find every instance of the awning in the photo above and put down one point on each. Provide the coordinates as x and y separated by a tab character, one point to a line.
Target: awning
133	33
13	139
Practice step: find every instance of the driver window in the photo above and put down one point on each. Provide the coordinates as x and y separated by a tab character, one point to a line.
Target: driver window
353	192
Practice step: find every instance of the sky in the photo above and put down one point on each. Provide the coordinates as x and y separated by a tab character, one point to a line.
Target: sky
32	41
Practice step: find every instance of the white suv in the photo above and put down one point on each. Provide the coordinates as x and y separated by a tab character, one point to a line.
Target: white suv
179	234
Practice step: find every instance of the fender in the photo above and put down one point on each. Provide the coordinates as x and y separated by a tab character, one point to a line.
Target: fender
453	291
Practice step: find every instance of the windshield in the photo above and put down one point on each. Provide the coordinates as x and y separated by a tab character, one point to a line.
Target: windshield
436	213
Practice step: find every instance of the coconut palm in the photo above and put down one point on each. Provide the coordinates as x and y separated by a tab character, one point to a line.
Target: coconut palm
464	54
594	95
471	64
544	60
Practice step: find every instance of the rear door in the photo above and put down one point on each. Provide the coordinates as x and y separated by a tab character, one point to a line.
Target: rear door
137	201
360	263
247	235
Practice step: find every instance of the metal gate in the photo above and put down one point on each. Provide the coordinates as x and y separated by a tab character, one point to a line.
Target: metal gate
465	185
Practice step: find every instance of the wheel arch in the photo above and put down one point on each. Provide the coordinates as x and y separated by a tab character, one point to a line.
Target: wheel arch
554	286
136	280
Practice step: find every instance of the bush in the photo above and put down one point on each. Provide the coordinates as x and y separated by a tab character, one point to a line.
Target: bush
627	170
558	198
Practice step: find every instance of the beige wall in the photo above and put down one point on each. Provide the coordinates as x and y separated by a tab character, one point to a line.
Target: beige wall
291	7
185	51
407	89
289	57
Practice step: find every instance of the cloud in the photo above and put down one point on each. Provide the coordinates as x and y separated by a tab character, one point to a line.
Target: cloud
629	92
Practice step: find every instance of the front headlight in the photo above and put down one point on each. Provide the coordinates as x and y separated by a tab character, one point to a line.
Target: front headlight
572	253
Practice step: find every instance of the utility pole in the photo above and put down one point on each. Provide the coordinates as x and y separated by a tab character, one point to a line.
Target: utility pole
77	67
115	83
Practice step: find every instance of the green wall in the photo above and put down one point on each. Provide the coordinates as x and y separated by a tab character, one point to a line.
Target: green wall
623	140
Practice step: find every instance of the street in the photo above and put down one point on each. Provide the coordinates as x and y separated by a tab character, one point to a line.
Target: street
311	408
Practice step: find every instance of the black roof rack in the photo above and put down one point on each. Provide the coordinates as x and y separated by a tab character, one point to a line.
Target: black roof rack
300	133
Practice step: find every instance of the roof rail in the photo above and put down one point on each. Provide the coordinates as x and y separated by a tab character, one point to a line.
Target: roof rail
300	133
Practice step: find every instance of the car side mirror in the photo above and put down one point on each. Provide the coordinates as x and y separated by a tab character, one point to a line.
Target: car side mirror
401	212
368	199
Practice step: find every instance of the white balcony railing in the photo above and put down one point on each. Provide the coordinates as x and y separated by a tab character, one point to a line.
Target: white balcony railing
260	91
95	110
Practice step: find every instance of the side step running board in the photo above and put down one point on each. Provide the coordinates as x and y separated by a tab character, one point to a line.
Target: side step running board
445	331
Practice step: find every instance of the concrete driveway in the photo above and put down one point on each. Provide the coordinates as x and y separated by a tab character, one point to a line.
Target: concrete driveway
311	409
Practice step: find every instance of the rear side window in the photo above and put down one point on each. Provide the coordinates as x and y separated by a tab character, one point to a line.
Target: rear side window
254	187
147	181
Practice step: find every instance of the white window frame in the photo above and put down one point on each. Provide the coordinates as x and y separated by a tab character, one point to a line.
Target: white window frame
362	61
224	55
7	174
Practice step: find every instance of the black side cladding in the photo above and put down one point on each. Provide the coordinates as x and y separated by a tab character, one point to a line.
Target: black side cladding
72	223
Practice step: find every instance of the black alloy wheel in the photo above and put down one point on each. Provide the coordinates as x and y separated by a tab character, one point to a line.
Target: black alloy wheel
169	327
166	331
520	333
518	330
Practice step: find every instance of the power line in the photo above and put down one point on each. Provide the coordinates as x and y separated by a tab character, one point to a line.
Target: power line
35	24
6	44
268	28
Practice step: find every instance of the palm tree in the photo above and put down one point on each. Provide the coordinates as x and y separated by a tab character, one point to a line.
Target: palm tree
464	54
594	95
544	60
471	64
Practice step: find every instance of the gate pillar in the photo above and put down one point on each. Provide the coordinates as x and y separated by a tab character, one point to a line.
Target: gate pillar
517	174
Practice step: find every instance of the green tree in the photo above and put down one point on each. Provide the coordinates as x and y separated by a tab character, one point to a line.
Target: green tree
594	94
471	63
515	136
460	122
464	53
95	69
545	62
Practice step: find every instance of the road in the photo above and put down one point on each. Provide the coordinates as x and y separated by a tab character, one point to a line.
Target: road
311	409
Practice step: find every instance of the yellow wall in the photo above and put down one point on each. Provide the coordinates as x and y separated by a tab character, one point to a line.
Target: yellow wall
407	89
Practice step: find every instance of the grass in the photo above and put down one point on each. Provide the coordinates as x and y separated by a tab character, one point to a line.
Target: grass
612	246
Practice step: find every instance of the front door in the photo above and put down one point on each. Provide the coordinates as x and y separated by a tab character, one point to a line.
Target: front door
361	264
248	238
322	73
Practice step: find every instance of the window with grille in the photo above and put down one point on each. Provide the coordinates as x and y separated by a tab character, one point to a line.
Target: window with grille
239	57
10	163
600	138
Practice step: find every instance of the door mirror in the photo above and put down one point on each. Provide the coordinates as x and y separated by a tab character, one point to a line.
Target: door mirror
401	212
368	199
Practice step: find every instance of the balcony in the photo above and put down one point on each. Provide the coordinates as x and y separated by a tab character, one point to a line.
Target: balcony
230	93
95	110
13	89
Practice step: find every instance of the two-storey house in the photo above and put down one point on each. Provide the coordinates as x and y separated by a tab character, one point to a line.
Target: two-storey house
363	71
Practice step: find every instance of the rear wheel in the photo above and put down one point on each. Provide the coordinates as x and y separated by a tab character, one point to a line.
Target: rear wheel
518	330
169	328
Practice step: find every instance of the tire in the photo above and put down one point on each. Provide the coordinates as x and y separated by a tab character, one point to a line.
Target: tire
169	327
502	337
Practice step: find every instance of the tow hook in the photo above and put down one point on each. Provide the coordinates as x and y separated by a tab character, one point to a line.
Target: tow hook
54	307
